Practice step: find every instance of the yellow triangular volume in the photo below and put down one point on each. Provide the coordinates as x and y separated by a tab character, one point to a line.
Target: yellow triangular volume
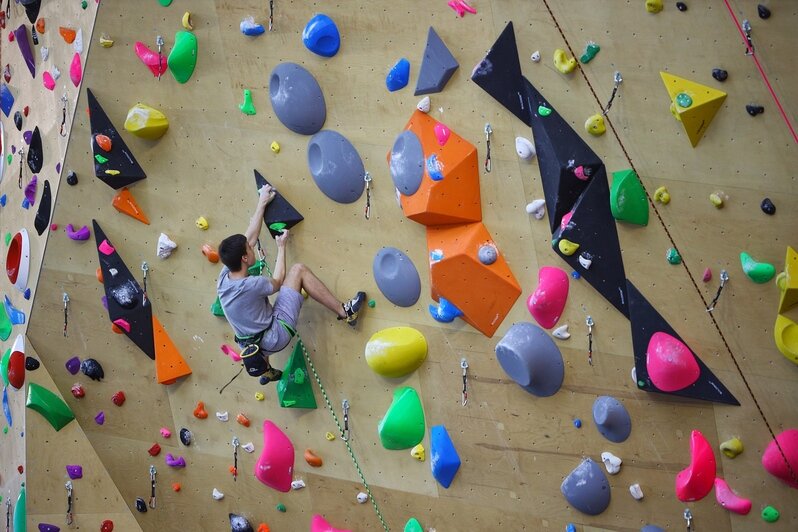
788	283
705	103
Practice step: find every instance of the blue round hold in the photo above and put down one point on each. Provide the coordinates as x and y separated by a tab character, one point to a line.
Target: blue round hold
321	36
578	423
398	76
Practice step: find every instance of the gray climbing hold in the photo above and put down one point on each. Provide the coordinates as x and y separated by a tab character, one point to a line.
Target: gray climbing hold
586	488
297	99
336	166
397	277
652	528
407	163
529	356
437	66
612	419
487	254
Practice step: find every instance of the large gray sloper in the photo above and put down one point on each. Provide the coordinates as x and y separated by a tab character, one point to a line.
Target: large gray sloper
529	356
586	488
397	277
297	99
407	163
437	67
336	166
612	419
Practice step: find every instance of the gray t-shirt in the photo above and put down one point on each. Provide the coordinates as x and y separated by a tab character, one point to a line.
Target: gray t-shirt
245	302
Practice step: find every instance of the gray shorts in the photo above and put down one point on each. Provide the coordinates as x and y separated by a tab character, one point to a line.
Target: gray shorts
286	308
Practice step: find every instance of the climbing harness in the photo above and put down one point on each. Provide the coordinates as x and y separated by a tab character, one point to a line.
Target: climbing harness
236	443
724	277
688	516
367	179
589	322
152	487
69	515
488	133
159	42
271	15
145	268
617	79
749	50
66	312
64	101
345	430
464	395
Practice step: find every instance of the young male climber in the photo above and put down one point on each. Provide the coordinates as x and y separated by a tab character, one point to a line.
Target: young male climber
262	329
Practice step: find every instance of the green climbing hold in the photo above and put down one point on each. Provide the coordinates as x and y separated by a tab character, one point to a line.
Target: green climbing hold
5	324
683	100
4	366
372	303
216	308
248	108
403	425
21	511
413	525
590	52
257	268
49	405
84	4
758	272
280	507
543	110
9	158
165	3
628	200
183	57
294	389
8	238
673	256
770	514
277	226
100	159
5	431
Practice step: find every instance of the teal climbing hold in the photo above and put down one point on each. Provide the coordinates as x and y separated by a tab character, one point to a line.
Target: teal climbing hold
21	511
49	405
684	100
294	389
758	272
403	426
183	57
590	52
628	201
673	256
165	3
413	525
444	459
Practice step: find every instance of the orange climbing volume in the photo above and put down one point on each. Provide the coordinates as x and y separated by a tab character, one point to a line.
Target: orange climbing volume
169	364
125	203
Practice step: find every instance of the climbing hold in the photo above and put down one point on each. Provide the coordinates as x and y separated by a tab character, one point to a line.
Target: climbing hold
763	11
586	488
81	234
75	70
423	105
154	450
319	524
418	452
16	316
222	416
774	462
100	418
670	364
758	272
727	498
185	436
21	36
165	246
681	6
183	57
662	195
276	463
628	200
562	62
567	247
444	460
31	364
49	405
250	29
437	66
259	396
535	57
695	482
398	76
407	163
362	498
754	109
146	122
294	389
654	6
524	148
683	100
201	223
239	523
442	133
141	506
531	359
106	41
578	423
611	462
461	7
396	351
595	125
329	436
673	256
157	63
210	253
72	178
585	260
280	507
612	419
413	525
92	369
166	433
336	166
636	492
312	458
543	110
396	277
720	74
547	302
200	412
487	254
18	120
591	49
171	461
77	391
248	108
321	36
561	332
118	398
48	81
185	21
537	208
217	495
706	102
717	199
768	207
770	514
403	425
242	420
74	471
732	447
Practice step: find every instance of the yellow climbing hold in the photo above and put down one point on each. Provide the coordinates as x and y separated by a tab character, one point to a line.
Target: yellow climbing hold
654	6
785	333
706	103
202	223
106	41
146	122
732	447
418	452
275	147
595	125
662	195
562	63
112	172
329	436
259	396
788	282
396	351
186	21
567	247
717	199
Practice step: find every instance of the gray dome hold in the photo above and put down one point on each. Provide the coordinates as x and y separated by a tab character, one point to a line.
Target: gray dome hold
396	277
586	488
612	419
487	254
297	99
529	356
407	163
336	166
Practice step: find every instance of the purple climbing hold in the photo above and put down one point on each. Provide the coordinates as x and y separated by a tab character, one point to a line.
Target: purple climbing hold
26	136
81	234
74	471
172	461
73	365
30	190
21	36
58	168
100	418
45	527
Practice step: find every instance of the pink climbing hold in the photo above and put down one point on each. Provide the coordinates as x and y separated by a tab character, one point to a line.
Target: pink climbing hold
442	133
122	324
547	302
106	248
730	500
566	219
695	482
707	275
320	524
232	353
579	172
461	7
48	81
670	364
275	467
773	461
151	59
75	70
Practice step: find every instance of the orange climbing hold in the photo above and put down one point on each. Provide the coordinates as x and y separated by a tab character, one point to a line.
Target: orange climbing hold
99	274
176	486
211	253
200	412
40	25
242	419
312	458
117	329
68	34
125	203
263	527
169	364
103	141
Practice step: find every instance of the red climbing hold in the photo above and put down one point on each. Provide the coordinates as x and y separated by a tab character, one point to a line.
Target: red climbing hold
107	526
103	141
77	391
155	450
118	398
200	412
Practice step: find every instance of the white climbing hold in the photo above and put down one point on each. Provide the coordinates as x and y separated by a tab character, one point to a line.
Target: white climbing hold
537	208
113	271
423	105
561	332
222	416
249	447
165	246
535	56
56	73
297	484
45	52
585	260
524	148
77	44
636	492
611	462
362	498
217	495
634	375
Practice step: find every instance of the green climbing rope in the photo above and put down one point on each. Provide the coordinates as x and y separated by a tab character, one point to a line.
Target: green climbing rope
341	431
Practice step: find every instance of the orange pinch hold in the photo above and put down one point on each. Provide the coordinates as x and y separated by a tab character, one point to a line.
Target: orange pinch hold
40	25
116	329
263	527
103	141
211	254
244	420
68	34
169	363
199	412
99	274
125	203
176	486
312	458
233	471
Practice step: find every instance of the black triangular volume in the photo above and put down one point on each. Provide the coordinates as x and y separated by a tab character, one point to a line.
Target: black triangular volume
646	321
560	153
278	210
119	159
125	297
32	8
593	228
499	74
42	220
437	66
35	152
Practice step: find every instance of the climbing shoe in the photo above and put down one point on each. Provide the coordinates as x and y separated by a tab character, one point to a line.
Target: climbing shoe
352	308
271	375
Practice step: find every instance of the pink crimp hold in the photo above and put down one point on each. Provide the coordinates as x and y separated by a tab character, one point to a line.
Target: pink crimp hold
461	7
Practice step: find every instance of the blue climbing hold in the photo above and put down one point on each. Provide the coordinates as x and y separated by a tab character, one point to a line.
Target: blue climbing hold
445	312
578	423
27	293
398	76
575	274
6	99
434	168
321	36
25	203
6	408
250	29
17	316
570	527
444	459
3	200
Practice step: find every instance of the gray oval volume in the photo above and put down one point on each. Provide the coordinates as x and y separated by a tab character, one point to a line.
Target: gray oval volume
586	488
407	163
530	357
297	99
612	419
397	277
336	166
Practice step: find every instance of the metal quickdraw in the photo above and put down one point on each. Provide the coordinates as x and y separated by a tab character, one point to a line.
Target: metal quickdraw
65	299
152	487
688	516
345	432
145	268
589	322
724	278
464	395
69	514
8	512
64	101
749	49
271	15
617	79
21	158
236	443
488	133
160	43
367	179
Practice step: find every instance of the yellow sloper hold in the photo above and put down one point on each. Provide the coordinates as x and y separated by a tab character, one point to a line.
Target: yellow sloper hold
146	122
396	351
706	102
789	286
785	333
418	452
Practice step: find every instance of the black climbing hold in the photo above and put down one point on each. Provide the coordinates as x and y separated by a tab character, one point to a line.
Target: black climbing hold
18	120
279	211
754	109
681	6
185	437
31	364
92	369
32	10
72	178
768	207
763	11
141	506
35	153
720	74
42	220
239	523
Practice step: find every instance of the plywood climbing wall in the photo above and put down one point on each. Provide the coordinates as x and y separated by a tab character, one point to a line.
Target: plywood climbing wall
515	448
